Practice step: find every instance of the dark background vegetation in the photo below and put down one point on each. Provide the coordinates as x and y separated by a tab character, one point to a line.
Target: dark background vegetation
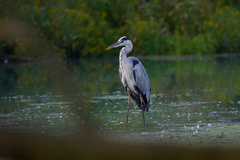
53	29
84	28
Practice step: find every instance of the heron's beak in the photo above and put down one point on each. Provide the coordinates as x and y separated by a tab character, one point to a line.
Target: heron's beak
114	45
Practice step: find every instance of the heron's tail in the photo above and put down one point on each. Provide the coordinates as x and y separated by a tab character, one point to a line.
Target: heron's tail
137	103
145	107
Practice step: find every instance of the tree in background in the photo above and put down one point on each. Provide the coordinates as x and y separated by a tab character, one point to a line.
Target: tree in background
80	28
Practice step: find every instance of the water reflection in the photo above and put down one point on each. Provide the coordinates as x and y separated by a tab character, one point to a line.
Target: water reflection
192	99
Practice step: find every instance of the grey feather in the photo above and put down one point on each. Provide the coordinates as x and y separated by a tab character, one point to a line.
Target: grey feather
134	76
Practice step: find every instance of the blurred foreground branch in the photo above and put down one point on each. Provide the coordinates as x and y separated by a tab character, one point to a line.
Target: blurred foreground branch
85	146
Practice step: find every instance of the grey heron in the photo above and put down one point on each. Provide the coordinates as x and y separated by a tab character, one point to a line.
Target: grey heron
133	77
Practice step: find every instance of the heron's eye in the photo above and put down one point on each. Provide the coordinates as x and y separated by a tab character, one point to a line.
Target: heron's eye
122	41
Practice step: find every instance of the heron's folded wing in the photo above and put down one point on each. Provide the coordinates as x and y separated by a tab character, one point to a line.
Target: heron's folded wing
141	79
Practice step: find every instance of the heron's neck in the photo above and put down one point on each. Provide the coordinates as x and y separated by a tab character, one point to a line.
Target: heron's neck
124	51
127	49
122	56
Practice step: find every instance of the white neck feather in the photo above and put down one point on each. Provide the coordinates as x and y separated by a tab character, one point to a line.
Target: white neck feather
127	49
124	51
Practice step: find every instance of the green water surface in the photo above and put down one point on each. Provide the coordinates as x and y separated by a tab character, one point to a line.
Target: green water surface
194	100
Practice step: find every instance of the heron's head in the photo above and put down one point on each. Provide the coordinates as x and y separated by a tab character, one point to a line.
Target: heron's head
123	41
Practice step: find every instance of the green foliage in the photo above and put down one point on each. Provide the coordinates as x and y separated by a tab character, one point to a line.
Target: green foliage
185	45
224	26
147	35
85	28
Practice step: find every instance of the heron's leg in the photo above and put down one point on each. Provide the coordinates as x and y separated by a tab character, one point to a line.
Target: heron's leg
142	109
135	106
128	104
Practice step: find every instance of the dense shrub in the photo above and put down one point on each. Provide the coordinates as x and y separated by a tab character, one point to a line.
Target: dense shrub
224	26
85	28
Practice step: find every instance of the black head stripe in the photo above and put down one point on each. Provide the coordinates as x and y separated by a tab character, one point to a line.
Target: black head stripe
125	38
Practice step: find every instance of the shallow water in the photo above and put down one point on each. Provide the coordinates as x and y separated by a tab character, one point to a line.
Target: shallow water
194	100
